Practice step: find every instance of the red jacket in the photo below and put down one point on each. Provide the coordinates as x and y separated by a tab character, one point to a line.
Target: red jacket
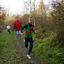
17	24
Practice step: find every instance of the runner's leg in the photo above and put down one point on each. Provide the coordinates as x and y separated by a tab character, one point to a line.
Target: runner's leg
31	45
26	42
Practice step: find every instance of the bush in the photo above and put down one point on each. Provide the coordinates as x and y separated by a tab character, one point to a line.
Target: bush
60	37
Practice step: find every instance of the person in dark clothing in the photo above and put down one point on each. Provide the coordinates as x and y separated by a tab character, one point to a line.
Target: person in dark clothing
28	35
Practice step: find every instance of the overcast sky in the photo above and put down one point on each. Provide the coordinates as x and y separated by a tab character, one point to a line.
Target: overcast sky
17	6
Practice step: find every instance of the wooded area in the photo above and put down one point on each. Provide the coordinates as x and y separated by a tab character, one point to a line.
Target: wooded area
44	17
47	21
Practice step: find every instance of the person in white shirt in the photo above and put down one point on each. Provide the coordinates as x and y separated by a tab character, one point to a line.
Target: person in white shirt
8	28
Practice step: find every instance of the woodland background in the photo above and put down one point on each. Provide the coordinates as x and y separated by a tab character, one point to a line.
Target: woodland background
49	23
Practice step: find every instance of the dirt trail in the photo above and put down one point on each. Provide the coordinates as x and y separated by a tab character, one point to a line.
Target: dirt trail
24	52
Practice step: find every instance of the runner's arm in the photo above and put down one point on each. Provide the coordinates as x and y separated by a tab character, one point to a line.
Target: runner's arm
34	31
23	28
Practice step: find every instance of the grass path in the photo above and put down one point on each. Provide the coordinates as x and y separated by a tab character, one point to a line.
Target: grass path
20	45
12	51
9	52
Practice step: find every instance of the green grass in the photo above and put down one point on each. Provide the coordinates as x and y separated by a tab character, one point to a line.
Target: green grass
46	52
9	54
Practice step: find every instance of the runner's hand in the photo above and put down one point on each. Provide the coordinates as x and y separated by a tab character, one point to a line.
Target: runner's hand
21	34
35	32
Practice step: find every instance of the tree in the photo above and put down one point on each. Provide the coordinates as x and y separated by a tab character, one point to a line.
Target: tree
42	9
2	18
58	14
30	5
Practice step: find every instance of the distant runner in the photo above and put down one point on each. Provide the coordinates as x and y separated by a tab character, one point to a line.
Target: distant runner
8	28
17	25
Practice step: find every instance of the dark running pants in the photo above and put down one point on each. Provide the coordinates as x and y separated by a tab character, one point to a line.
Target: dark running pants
30	40
8	30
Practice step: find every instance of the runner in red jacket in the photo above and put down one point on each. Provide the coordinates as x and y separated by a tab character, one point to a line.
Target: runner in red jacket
17	25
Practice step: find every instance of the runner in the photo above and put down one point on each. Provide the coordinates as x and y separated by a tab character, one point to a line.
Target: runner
8	28
28	35
17	25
